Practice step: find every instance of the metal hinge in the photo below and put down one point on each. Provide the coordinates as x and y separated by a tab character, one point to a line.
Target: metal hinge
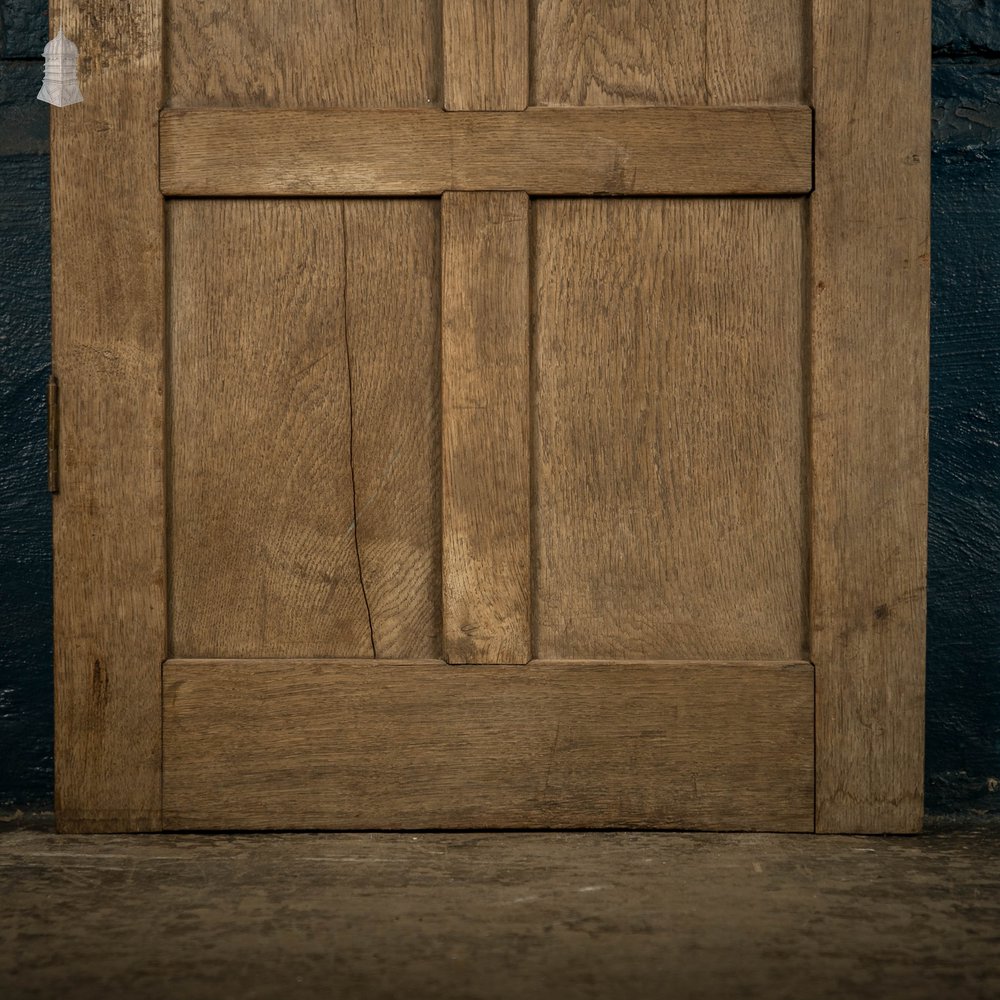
53	399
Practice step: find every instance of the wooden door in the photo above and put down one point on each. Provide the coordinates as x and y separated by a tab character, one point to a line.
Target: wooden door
500	414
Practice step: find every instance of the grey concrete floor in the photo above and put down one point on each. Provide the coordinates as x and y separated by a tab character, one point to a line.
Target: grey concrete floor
524	915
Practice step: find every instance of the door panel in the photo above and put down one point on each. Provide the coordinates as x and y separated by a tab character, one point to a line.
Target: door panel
285	54
304	436
645	52
669	428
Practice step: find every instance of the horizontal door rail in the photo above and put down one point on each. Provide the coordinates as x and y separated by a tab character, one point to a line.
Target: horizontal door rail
544	151
354	744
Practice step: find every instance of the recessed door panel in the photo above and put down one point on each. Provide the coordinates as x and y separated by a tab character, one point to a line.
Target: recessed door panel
646	52
304	448
338	53
669	428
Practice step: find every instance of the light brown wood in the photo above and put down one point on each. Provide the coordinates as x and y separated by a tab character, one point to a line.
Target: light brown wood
109	601
756	53
338	53
870	295
394	315
486	492
669	439
711	445
300	744
485	55
559	151
305	420
603	53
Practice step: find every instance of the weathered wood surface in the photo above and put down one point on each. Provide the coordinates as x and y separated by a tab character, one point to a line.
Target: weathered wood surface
486	460
109	596
253	151
870	301
354	745
305	424
670	511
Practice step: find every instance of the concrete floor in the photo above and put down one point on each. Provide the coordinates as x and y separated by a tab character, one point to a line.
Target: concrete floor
499	915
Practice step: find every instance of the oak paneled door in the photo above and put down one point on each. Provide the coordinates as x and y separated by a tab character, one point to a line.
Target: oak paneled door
491	414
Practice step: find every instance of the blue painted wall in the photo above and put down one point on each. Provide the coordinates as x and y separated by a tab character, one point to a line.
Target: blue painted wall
963	627
963	670
25	534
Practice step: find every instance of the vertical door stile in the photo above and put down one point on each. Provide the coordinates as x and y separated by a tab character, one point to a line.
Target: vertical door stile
870	243
108	520
485	351
485	55
485	427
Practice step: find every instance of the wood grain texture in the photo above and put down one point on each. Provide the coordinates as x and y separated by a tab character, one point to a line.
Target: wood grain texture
394	316
756	53
870	300
486	48
304	428
669	429
339	53
109	600
263	745
486	491
649	52
558	151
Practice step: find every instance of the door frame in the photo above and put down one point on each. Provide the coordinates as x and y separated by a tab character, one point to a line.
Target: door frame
867	289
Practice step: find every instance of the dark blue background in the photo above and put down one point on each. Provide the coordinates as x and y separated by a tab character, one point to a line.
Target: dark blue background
963	668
